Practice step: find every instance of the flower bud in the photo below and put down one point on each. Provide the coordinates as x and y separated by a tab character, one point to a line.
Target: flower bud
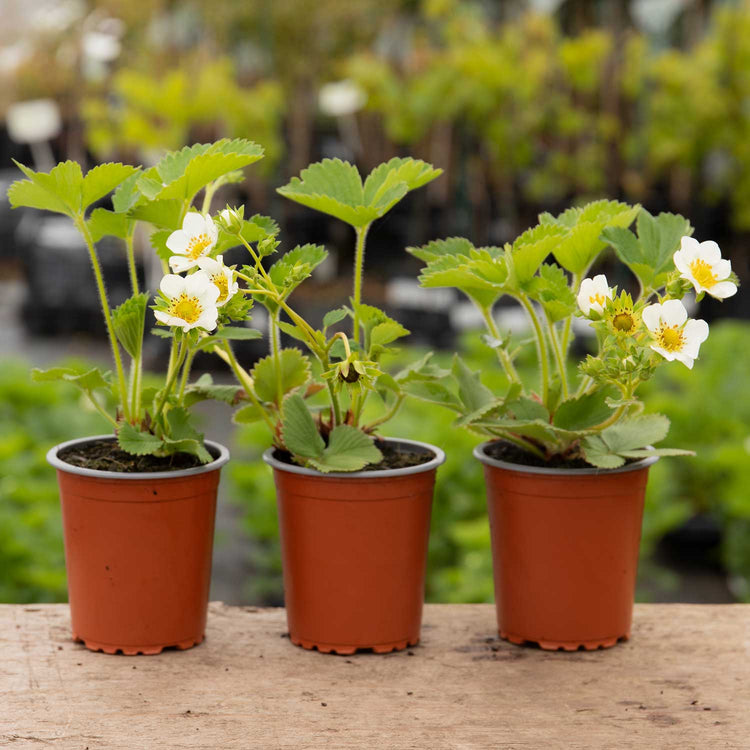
231	219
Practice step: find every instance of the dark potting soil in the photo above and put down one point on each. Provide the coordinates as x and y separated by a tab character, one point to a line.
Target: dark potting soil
104	455
394	457
513	454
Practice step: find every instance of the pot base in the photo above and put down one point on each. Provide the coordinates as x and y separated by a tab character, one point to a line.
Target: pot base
566	645
109	648
378	648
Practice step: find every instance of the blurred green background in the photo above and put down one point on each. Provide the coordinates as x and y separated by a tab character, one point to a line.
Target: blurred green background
527	106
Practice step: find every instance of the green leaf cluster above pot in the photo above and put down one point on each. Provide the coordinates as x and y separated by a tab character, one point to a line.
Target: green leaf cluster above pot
593	414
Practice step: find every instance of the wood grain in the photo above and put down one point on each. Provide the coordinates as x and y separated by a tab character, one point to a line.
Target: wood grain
682	682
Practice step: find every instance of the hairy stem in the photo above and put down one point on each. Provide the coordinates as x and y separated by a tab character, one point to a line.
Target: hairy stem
565	343
388	415
502	355
273	322
557	351
131	262
121	381
172	373
359	262
186	371
541	344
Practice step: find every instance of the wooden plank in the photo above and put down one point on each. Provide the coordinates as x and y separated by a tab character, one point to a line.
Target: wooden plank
683	681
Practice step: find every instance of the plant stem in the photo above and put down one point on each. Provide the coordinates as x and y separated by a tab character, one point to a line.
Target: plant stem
122	383
247	382
171	375
100	409
558	355
186	371
574	284
388	415
502	355
586	381
334	404
273	321
541	344
520	442
131	262
208	196
359	260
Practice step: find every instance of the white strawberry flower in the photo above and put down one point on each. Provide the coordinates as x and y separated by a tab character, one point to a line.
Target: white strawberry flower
192	301
675	337
702	265
221	277
195	240
594	294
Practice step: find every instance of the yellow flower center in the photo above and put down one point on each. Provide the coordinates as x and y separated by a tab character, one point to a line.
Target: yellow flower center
599	299
670	338
186	308
220	280
623	321
702	273
197	245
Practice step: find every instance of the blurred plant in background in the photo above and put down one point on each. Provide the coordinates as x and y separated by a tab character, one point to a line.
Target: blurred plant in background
33	418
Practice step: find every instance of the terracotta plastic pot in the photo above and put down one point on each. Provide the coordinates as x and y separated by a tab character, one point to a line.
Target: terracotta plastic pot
138	553
354	550
565	551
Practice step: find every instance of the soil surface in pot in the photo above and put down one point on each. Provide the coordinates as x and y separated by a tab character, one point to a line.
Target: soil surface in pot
394	457
104	455
502	451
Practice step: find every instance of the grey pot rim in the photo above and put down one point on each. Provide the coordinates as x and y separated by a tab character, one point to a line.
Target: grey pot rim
439	458
53	460
479	454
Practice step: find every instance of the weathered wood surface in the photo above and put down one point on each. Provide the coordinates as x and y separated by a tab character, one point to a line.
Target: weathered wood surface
682	682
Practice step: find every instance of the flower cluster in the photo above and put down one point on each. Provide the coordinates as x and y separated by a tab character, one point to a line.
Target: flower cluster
193	301
671	333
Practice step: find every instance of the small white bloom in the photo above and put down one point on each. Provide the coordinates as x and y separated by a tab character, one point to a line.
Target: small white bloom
675	337
192	301
195	240
702	265
593	294
221	276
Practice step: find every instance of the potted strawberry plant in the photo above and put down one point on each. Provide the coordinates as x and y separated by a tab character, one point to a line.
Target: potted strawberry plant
138	505
567	456
354	509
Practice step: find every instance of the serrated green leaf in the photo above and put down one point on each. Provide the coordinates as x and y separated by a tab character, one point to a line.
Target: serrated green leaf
384	334
103	179
646	453
180	426
334	316
289	271
294	331
158	241
295	372
192	446
584	412
636	432
451	246
105	223
298	429
165	214
137	443
88	380
237	333
129	322
348	449
127	195
205	388
433	392
162	333
335	187
472	393
532	247
550	288
527	410
58	190
181	174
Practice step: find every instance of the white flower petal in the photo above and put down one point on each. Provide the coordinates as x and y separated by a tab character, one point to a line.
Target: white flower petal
696	331
669	356
172	285
651	317
689	246
685	358
197	283
710	252
177	242
723	289
163	317
673	312
208	319
681	262
209	265
721	268
194	223
179	264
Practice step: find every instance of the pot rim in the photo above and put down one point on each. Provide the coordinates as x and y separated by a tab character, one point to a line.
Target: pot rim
60	465
479	454
439	458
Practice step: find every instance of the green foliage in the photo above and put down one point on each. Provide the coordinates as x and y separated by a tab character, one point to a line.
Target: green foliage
129	321
335	187
33	418
293	373
348	448
64	189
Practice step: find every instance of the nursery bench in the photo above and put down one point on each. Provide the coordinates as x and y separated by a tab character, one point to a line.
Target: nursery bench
683	681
